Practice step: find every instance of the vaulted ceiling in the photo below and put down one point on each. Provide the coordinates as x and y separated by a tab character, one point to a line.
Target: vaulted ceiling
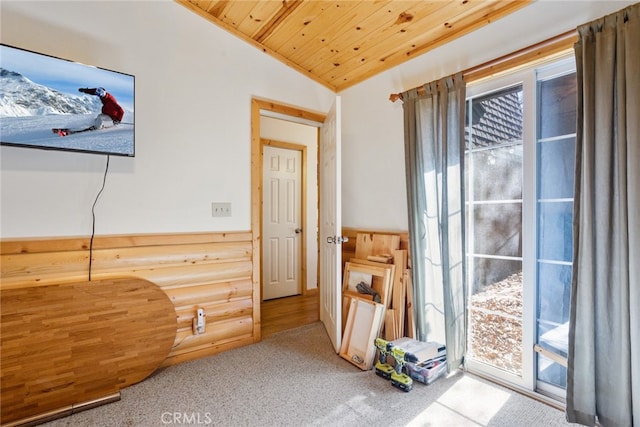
341	43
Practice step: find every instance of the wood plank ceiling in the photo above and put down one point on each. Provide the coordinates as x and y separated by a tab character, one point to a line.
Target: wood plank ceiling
342	43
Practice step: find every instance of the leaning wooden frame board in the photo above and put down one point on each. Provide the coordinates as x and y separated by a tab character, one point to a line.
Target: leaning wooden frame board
394	320
391	327
376	244
381	277
410	329
398	296
363	327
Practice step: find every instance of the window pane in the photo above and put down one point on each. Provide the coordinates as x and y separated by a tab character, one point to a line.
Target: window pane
495	314
487	271
551	372
497	229
555	178
498	173
557	114
496	118
467	169
554	338
555	231
556	168
553	292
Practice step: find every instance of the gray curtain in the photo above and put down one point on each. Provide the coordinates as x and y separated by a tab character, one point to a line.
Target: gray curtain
434	159
603	376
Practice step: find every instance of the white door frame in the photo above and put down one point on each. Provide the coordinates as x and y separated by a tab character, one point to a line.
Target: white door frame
296	114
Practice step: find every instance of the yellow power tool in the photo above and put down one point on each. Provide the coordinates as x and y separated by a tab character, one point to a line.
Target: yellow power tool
398	378
383	369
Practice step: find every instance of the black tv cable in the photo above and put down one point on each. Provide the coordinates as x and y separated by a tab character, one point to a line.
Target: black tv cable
93	216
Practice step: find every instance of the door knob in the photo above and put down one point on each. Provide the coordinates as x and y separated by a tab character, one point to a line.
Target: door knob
298	230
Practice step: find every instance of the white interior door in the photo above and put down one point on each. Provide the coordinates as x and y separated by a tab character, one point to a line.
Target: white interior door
281	229
331	226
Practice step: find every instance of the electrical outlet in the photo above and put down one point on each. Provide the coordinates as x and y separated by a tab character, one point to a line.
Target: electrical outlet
199	322
219	209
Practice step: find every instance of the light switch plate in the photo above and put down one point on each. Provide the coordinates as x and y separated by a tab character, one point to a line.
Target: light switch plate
219	209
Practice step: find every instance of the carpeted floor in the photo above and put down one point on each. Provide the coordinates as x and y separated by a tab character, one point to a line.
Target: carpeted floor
294	378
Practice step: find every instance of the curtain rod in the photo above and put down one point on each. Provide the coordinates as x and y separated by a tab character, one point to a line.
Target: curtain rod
557	44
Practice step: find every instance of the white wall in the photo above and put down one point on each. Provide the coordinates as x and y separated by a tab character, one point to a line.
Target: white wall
194	84
373	176
301	134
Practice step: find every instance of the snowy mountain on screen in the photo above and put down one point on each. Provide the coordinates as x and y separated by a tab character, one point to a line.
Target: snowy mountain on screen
21	97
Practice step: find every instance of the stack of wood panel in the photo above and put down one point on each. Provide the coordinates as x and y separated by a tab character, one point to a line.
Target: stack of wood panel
380	267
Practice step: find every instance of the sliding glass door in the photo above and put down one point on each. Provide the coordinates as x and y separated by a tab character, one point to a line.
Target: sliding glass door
555	149
519	188
495	239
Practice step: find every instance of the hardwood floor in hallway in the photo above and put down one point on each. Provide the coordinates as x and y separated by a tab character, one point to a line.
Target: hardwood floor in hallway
289	312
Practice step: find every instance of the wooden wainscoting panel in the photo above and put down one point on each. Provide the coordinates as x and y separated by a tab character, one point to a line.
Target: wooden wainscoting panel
212	271
42	268
220	292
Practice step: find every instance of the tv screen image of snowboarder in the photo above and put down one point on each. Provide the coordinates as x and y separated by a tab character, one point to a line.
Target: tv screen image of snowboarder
52	103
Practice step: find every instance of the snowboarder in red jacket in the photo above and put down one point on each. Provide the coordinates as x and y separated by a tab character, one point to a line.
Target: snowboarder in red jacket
111	110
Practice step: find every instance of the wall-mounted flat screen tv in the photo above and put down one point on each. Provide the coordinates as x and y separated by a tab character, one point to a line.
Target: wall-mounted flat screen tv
57	104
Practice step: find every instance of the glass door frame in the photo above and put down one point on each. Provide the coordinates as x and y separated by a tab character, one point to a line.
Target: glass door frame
526	78
560	67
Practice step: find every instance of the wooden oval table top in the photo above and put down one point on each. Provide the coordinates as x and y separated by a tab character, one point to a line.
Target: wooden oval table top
71	343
